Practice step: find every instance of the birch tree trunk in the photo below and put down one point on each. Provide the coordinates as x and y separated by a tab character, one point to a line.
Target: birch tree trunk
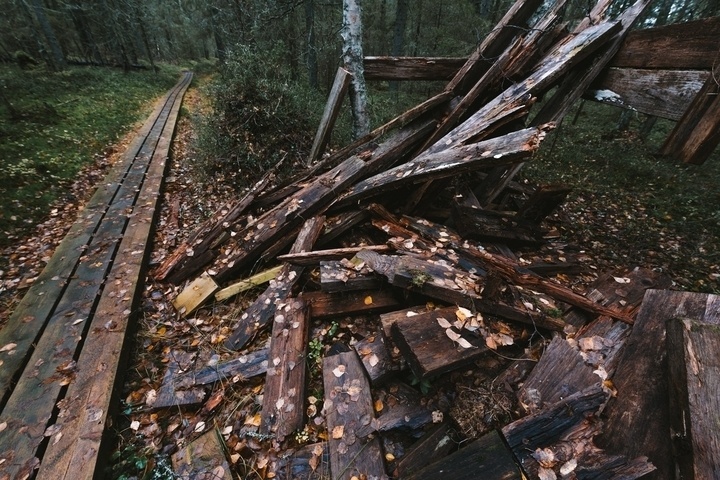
353	60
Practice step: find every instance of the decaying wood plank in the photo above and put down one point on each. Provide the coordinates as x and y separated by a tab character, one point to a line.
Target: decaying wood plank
406	411
504	150
258	315
251	282
203	459
427	347
309	462
689	45
327	305
330	114
697	133
284	394
338	277
487	457
694	369
375	357
640	409
241	368
195	294
348	407
545	427
663	93
489	226
313	198
411	68
544	200
433	446
307	259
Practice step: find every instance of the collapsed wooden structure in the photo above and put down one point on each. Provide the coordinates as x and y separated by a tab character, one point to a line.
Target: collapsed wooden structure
414	225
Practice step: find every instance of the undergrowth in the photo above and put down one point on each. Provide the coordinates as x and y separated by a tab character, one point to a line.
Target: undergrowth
51	125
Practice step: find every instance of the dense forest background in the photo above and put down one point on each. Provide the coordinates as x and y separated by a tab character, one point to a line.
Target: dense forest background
302	34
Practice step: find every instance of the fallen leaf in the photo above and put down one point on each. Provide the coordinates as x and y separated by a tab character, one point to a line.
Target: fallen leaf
199	427
463	313
8	347
339	371
568	467
135	425
622	279
368	300
443	322
338	431
373	360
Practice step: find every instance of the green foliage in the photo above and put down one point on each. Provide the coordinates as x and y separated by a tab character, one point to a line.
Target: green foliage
53	123
259	117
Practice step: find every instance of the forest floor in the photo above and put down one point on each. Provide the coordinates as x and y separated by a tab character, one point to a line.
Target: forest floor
627	209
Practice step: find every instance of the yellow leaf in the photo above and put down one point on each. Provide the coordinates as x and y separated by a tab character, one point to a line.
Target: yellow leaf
338	431
253	420
379	405
368	300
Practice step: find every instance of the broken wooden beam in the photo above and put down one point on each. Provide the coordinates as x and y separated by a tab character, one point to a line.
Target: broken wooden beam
694	372
203	458
344	277
375	357
411	68
307	259
435	445
248	283
328	305
258	315
195	294
348	407
284	394
330	114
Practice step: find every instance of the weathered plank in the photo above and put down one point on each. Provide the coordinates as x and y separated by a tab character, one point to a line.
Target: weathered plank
348	407
337	277
315	257
411	68
431	447
689	45
170	393
494	227
487	457
375	356
662	93
640	409
195	294
314	197
284	394
260	313
697	133
330	114
248	283
694	373
426	346
203	459
327	305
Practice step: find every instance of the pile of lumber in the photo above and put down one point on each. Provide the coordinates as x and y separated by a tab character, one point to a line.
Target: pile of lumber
414	228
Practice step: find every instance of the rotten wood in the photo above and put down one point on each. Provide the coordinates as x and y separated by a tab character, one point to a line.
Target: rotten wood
203	459
344	277
640	409
259	314
662	93
284	393
330	114
427	347
327	305
375	357
694	372
433	446
236	370
348	407
489	226
411	68
315	197
697	133
307	259
544	200
171	393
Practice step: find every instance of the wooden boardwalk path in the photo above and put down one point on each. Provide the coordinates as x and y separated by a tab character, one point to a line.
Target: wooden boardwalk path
61	349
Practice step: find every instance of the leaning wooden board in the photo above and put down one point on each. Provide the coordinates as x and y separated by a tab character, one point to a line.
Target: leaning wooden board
100	263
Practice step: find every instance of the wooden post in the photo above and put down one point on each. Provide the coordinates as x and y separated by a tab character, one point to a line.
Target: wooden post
332	110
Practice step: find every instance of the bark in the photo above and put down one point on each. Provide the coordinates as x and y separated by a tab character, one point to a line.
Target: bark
353	60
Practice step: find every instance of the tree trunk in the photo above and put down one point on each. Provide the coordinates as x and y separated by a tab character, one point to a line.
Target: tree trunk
398	46
353	60
58	58
219	43
311	47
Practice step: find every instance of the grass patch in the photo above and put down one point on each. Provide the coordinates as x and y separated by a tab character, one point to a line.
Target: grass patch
51	125
630	206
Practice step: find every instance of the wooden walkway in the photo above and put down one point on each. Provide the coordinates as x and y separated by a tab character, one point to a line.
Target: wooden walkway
61	349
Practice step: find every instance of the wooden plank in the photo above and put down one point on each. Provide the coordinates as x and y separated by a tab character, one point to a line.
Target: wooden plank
315	197
411	68
327	305
694	368
170	394
235	370
195	294
487	457
697	133
431	447
284	394
494	227
89	398
640	410
203	458
426	346
260	313
689	45
505	150
543	201
662	93
34	310
348	407
336	277
307	259
330	114
247	284
375	357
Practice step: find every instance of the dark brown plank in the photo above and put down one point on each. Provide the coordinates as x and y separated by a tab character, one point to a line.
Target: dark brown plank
327	305
427	347
431	447
260	313
694	367
330	114
204	458
690	45
336	277
313	258
348	407
487	457
375	357
284	394
411	68
640	410
662	93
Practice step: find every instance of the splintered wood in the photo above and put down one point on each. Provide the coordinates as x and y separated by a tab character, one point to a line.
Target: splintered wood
442	271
